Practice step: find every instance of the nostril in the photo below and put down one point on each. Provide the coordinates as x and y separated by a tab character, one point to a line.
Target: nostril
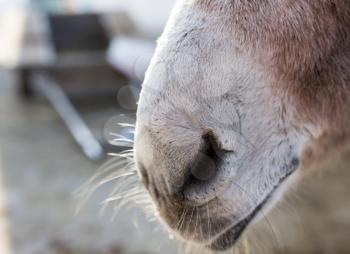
208	159
204	167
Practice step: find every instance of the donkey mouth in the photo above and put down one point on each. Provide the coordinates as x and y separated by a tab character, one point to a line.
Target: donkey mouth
229	238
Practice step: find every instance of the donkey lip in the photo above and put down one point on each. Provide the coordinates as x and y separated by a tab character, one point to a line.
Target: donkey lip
229	237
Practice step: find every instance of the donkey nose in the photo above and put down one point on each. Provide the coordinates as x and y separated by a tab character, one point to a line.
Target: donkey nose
198	185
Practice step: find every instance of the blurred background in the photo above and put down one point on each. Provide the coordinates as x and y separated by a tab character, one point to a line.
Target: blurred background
70	72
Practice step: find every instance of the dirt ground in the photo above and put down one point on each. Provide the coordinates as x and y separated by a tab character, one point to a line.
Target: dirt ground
41	166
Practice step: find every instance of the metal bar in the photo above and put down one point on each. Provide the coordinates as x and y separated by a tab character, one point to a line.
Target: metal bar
75	124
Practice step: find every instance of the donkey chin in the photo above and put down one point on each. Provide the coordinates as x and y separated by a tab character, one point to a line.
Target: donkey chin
231	100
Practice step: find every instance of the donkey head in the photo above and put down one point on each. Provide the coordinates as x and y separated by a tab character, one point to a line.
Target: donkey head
234	93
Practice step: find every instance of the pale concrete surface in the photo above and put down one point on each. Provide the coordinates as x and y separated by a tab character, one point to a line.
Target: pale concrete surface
41	167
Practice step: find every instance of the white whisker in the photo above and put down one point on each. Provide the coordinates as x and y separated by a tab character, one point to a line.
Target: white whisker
121	171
